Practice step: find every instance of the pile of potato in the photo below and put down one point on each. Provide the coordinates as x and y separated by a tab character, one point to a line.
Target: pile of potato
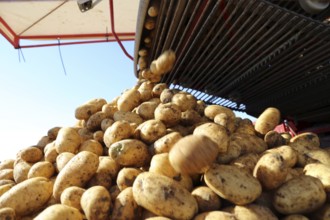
158	153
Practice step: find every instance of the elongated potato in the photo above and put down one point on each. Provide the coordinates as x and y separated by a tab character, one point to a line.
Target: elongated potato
129	100
145	90
163	196
30	154
42	169
71	196
130	117
163	63
21	170
320	171
125	207
27	196
68	140
168	113
96	203
232	183
267	120
290	156
7	174
165	143
117	131
76	172
150	131
84	111
92	146
59	211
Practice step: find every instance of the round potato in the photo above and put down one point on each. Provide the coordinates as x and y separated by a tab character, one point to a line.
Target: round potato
76	172
125	207
267	120
129	100
109	109
150	131
129	152
299	195
42	169
96	203
146	110
248	143
320	171
130	117
158	89
145	90
62	159
215	215
193	154
274	139
21	170
232	183
126	177
68	140
165	143
107	122
53	132
84	111
190	117
289	155
27	196
30	154
207	200
247	162
92	146
7	164
163	196
71	196
184	101
59	211
168	113
94	121
117	131
50	152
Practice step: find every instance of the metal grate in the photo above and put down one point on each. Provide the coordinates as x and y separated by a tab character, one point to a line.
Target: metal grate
247	55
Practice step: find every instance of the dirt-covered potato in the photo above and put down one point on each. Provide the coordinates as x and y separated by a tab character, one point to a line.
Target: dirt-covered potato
247	162
129	152
21	170
7	213
129	100
207	200
160	164
267	120
150	131
52	133
87	109
125	207
271	170
184	101
30	154
126	177
216	133
247	143
233	184
168	113
146	110
76	172
62	159
164	196
158	89
289	155
59	211
166	95
212	110
274	139
299	195
91	146
27	196
43	169
94	121
215	215
117	131
320	171
107	122
145	90
71	196
109	109
243	126
317	156
68	140
253	212
130	117
165	143
96	203
190	117
193	154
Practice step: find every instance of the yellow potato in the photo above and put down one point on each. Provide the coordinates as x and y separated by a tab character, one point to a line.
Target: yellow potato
7	174
150	131
53	132
184	101
71	196
59	211
164	196
107	122
76	172
117	131
320	171
94	121
50	152
27	196
7	164
68	140
84	111
163	63
62	159
42	169
7	214
129	100
21	170
267	120
145	90
274	139
4	182
233	184
146	110
92	146
190	117
126	177
130	117
110	109
85	134
125	207
207	200
96	203
289	155
253	212
215	215
165	143
247	162
5	187
30	154
248	143
168	113
98	136
158	89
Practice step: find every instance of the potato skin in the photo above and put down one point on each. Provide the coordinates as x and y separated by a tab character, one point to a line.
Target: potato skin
130	117
27	196
68	140
59	211
267	120
150	131
165	143
7	174
311	195
7	164
84	111
117	131
76	172
163	196
21	170
62	159
30	154
168	113
96	203
129	100
253	212
126	177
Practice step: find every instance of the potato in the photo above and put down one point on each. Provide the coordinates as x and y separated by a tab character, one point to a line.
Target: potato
125	207
216	133
71	196
146	110
184	101
244	126
43	169
129	152
164	196
50	152
299	195
168	113
4	188
248	143
7	214
109	110
295	217
193	154
183	130
293	173
107	122
21	170
129	100
233	152
7	174
94	121
150	131
30	154
207	200
160	164
43	142
91	146
7	164
158	89
150	76
320	171
212	110
304	142
190	117
145	90
253	212
85	134
117	131
289	155
215	215
166	95
163	63
126	177
114	192
130	117
96	203
98	136
165	143
4	182
59	211
76	172
274	139
317	156
52	133
247	162
233	184
68	140
27	196
62	159
84	111
271	170
267	120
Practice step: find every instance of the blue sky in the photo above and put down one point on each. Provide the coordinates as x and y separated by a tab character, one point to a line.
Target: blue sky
36	95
